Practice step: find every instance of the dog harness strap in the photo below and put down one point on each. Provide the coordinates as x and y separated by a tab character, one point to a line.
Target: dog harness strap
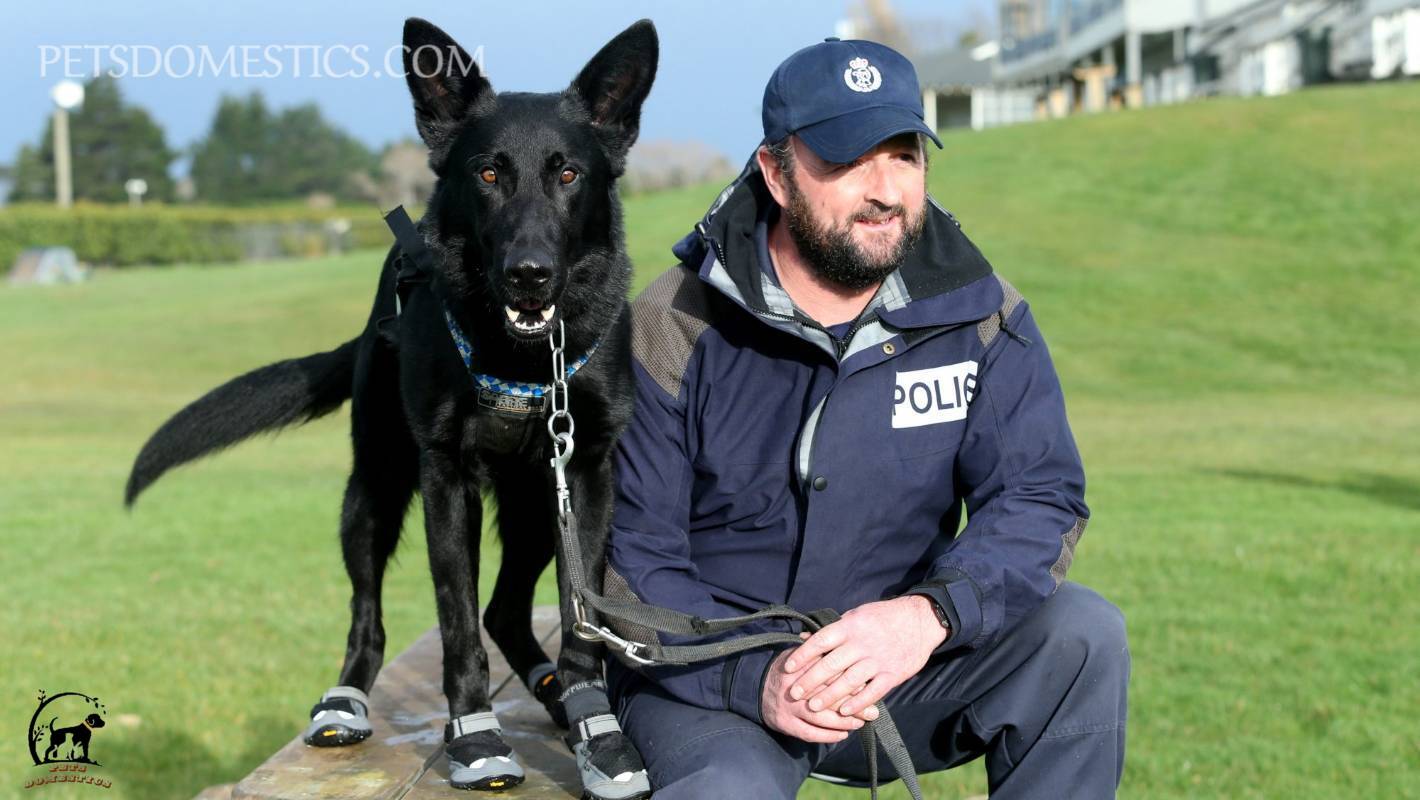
473	723
412	265
411	243
349	692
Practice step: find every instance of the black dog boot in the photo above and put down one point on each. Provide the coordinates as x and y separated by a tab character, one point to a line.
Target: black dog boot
547	689
609	765
478	757
340	718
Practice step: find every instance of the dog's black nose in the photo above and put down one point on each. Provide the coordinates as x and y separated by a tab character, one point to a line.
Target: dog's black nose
529	275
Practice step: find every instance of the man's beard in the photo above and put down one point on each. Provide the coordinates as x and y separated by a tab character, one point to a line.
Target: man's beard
831	251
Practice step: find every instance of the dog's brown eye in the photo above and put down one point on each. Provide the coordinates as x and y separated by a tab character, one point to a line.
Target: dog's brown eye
568	175
488	175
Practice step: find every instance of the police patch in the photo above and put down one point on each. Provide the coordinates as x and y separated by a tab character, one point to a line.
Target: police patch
932	396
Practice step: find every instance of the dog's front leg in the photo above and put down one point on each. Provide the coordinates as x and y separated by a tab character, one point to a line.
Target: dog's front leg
453	521
610	766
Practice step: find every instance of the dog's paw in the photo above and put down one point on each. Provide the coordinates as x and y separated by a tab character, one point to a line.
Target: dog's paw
483	761
547	688
609	765
340	718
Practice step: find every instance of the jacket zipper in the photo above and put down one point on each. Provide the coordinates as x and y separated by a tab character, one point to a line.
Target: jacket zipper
840	345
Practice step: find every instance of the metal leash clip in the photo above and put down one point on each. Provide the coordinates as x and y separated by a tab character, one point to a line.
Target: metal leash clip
560	409
604	635
587	632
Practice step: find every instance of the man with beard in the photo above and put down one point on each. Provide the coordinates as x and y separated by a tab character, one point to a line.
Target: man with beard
829	376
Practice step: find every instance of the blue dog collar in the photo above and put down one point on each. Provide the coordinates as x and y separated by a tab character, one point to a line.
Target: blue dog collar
498	385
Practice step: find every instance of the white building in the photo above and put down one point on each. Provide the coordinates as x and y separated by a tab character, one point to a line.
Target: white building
1381	40
958	91
1267	47
1089	55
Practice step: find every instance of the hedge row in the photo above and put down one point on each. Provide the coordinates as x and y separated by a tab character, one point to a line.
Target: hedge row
160	234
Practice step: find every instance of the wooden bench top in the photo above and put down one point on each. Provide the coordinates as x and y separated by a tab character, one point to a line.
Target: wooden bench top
404	758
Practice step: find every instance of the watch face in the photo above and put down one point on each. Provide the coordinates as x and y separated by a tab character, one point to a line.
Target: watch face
941	616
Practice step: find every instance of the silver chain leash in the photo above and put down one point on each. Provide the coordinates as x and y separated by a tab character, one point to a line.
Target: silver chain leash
560	404
561	409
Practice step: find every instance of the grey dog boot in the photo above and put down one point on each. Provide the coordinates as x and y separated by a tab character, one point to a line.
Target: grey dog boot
478	756
340	718
610	766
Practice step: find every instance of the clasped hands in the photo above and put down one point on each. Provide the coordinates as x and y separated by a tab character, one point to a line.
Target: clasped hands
824	689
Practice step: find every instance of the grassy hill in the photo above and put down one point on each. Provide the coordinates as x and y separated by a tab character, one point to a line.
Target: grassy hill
1227	288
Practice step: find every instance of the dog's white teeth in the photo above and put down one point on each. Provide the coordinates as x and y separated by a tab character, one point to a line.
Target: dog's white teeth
547	313
512	313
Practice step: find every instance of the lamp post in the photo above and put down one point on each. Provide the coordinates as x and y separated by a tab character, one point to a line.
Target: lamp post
66	95
136	188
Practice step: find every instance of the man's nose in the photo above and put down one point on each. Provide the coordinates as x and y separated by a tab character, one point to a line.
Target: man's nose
881	187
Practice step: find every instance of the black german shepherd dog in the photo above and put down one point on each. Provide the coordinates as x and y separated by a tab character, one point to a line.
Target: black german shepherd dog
524	231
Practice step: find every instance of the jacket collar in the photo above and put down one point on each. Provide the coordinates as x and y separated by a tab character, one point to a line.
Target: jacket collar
944	280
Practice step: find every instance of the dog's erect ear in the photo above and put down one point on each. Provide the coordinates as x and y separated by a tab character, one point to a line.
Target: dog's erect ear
616	81
444	80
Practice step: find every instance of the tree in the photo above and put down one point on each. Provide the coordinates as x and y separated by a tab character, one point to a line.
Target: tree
405	177
253	155
110	142
232	164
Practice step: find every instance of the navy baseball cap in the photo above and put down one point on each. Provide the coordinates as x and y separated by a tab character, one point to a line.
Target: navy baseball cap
843	98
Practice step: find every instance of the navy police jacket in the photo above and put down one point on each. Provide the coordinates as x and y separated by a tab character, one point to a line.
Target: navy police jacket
769	461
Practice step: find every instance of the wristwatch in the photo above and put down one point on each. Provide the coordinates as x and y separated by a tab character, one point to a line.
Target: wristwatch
940	612
937	596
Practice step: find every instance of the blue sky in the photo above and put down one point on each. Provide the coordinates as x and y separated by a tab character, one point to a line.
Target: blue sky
715	56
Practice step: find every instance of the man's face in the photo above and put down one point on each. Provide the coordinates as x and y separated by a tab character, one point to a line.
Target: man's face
855	222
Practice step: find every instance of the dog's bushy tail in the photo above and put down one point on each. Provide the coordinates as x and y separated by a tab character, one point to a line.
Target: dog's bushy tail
275	396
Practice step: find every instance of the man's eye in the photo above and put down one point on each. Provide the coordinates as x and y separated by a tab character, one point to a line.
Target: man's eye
568	176
488	175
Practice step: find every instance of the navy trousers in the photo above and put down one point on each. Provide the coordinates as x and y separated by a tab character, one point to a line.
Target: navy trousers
1046	706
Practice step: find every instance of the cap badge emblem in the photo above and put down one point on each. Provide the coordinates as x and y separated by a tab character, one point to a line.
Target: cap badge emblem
862	76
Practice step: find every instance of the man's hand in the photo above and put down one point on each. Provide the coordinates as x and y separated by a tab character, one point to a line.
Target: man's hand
847	667
794	717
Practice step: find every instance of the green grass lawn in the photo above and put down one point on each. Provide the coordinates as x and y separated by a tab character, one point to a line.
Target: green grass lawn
1229	290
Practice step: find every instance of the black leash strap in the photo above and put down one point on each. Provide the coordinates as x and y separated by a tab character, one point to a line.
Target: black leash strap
879	731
